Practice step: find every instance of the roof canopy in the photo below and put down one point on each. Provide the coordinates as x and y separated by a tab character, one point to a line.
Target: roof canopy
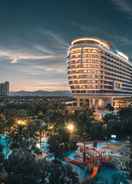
92	41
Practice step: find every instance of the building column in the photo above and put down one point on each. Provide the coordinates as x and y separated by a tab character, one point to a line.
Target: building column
78	101
90	103
93	102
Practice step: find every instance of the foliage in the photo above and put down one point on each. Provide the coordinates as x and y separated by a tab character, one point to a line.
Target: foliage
109	107
57	143
97	132
60	143
2	168
83	122
61	173
125	116
55	146
23	168
120	123
26	136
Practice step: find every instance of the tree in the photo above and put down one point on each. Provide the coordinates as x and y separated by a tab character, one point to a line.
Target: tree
3	173
97	131
57	145
125	116
83	122
26	135
57	173
109	107
23	168
113	124
60	143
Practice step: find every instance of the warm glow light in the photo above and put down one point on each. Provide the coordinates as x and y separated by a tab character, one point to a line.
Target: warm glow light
122	55
21	122
105	44
100	103
70	127
51	127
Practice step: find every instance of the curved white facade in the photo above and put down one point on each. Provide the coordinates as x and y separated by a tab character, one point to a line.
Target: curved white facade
95	69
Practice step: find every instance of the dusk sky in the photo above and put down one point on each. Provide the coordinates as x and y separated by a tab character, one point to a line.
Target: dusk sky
35	34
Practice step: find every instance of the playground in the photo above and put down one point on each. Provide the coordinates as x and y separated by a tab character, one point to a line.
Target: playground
101	163
104	163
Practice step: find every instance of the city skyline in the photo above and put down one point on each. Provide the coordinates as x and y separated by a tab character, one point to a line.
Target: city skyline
35	35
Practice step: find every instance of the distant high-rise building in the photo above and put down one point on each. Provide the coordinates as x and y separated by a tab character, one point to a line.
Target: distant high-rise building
98	74
4	88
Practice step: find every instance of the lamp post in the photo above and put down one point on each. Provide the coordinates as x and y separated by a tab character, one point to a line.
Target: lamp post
21	123
71	128
43	125
84	146
50	129
84	151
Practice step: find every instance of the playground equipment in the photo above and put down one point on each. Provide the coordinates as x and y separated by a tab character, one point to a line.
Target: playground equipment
94	171
94	158
105	153
94	155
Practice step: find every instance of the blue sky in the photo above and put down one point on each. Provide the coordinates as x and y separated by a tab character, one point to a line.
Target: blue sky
35	34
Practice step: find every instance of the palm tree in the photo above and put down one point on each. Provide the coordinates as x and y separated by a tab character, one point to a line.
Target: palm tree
125	116
83	121
55	115
39	127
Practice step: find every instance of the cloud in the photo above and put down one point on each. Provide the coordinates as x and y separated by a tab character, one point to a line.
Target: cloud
15	57
54	39
57	38
35	52
123	5
43	49
41	44
34	61
43	72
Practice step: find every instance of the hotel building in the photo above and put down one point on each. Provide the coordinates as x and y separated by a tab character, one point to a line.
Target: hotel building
98	75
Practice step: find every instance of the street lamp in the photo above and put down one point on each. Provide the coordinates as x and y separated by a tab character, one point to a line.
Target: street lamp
51	127
21	122
70	127
84	146
41	130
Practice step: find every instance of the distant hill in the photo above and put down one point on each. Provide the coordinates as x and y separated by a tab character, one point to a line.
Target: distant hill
41	93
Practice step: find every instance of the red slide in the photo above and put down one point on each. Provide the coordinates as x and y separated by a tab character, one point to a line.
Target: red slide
75	162
94	172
